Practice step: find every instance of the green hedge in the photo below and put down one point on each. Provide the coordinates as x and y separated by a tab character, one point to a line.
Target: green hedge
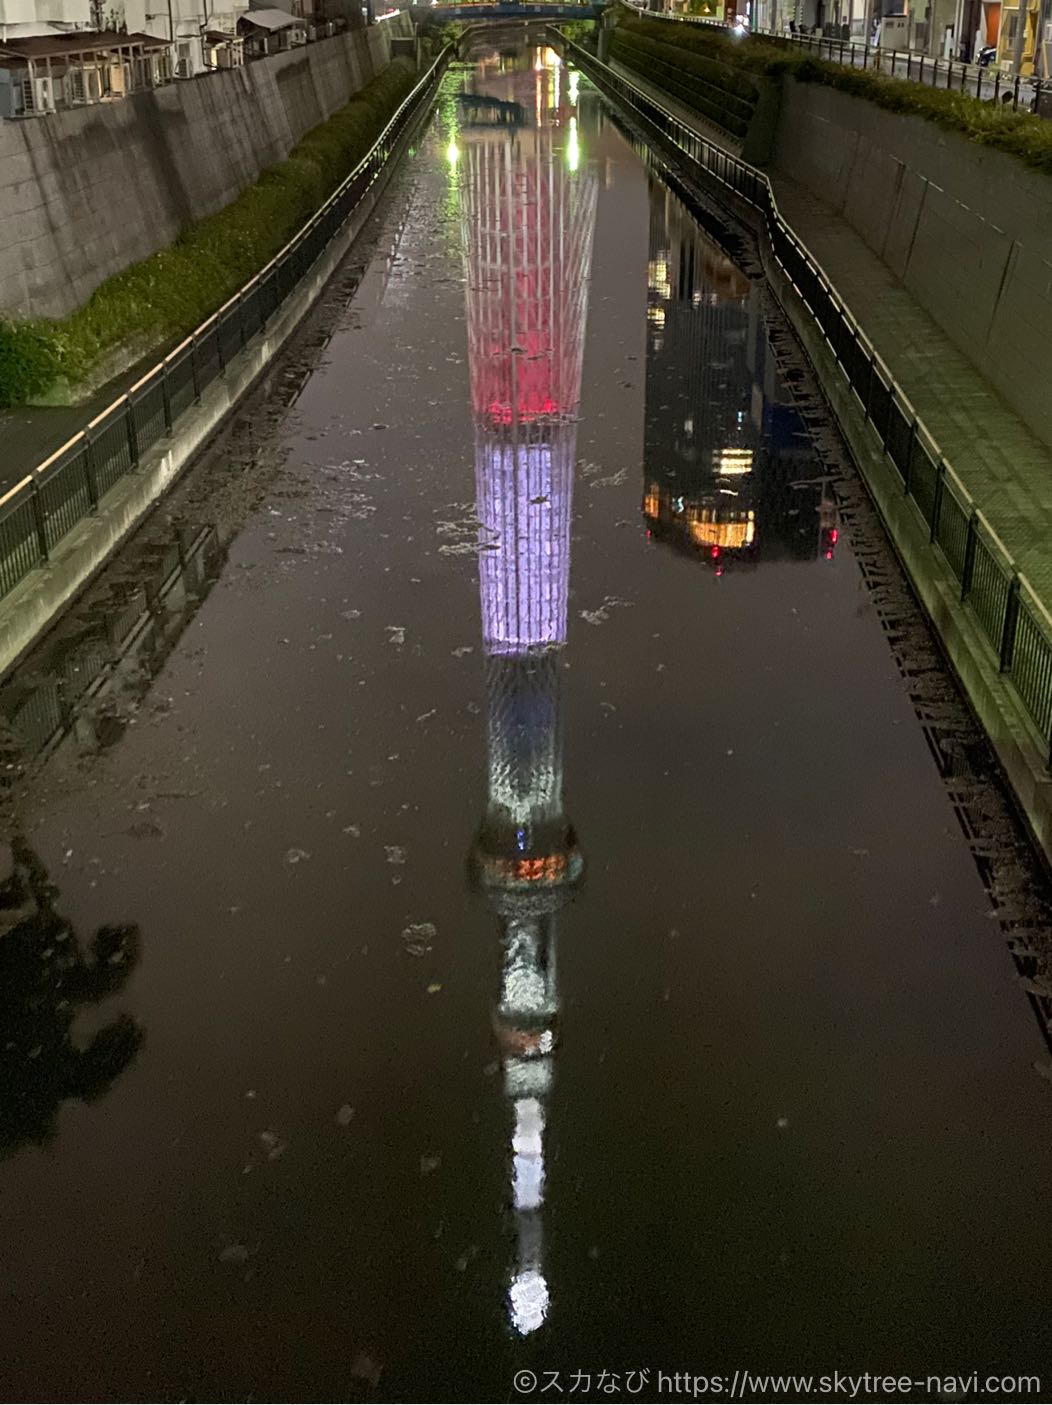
1022	134
160	300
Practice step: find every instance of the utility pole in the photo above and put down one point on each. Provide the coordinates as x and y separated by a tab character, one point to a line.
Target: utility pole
1040	66
1020	34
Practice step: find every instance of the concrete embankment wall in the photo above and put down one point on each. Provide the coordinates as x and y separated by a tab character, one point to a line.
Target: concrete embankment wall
966	229
87	192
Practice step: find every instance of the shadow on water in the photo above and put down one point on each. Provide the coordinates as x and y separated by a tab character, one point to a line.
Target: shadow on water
47	981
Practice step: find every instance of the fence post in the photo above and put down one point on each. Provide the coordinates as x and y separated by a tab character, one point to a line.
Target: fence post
936	506
129	429
39	523
969	558
166	396
907	471
1008	628
90	476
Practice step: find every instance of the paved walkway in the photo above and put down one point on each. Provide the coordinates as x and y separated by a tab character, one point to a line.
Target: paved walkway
1007	470
31	433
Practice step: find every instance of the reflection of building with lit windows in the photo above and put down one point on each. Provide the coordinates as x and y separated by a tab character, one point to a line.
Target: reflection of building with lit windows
527	217
724	447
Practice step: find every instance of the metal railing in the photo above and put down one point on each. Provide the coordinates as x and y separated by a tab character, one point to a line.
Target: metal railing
44	506
987	84
1013	621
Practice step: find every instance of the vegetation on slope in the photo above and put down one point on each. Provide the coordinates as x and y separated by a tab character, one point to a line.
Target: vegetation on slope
163	298
991	124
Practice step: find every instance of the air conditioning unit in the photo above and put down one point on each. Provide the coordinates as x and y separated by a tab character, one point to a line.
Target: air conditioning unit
43	97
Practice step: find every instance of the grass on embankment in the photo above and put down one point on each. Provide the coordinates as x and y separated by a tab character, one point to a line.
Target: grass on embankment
159	301
991	124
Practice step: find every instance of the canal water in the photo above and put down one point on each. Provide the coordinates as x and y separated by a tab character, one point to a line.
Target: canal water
480	897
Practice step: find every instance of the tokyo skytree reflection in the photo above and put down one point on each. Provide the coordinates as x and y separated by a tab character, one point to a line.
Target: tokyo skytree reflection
528	213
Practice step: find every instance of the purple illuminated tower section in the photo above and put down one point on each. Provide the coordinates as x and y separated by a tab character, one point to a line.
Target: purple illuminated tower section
528	213
527	224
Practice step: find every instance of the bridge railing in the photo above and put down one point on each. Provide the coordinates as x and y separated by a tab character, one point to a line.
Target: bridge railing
73	482
1012	619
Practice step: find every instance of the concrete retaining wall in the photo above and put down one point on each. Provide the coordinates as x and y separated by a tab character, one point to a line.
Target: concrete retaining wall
85	193
967	230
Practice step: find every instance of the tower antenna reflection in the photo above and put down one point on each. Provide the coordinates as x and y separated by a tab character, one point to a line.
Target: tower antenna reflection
528	213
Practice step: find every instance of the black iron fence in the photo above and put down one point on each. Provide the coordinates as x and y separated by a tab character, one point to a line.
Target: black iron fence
987	83
1013	621
67	487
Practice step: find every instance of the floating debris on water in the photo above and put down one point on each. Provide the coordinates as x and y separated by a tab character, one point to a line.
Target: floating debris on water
418	938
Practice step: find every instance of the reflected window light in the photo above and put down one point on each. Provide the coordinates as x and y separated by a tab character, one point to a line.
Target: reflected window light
732	463
452	152
657	277
575	83
730	534
573	149
528	1300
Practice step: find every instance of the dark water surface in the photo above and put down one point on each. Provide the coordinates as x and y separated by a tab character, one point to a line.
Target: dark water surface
596	979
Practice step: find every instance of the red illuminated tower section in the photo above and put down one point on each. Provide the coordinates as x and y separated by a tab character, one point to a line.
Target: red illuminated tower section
528	217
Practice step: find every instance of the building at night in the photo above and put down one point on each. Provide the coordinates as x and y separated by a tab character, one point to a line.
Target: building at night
528	212
725	452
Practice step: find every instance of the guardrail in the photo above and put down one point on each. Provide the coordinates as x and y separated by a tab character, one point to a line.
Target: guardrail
987	84
1012	619
45	506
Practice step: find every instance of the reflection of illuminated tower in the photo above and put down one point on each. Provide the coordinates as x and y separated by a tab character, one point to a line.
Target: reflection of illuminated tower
528	215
